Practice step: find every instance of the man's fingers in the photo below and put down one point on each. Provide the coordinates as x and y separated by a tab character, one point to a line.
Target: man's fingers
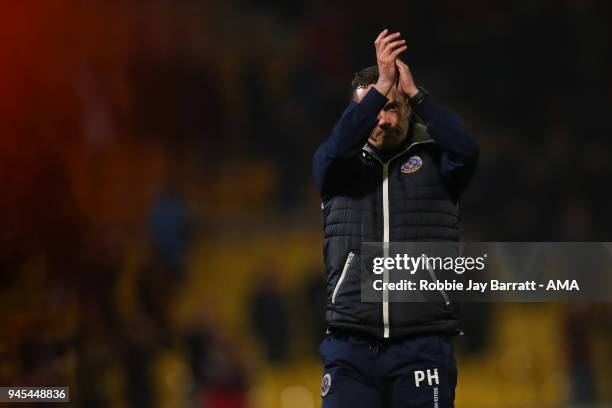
381	36
402	66
398	51
384	41
391	46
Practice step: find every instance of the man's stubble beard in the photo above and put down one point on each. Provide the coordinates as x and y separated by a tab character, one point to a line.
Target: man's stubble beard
390	138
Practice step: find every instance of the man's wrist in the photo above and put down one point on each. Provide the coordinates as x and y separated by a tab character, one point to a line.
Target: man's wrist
383	86
417	97
411	92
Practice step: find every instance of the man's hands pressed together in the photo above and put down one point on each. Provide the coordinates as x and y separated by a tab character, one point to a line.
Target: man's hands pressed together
405	85
388	47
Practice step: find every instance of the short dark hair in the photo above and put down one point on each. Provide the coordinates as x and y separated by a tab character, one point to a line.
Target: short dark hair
363	78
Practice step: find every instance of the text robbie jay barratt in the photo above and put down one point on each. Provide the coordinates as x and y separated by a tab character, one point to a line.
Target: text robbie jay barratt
493	285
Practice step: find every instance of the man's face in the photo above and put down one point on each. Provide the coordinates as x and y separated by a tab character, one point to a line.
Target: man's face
392	127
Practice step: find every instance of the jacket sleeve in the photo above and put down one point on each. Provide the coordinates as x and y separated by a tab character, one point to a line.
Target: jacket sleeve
460	150
347	138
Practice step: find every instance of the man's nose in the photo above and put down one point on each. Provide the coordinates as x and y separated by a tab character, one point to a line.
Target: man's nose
383	120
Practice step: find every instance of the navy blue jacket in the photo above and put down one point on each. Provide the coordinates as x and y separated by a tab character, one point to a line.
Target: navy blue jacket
409	195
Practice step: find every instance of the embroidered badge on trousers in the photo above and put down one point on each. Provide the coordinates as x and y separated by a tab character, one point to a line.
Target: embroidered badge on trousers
325	384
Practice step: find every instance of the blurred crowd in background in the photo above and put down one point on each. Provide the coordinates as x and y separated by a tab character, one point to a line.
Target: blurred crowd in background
160	237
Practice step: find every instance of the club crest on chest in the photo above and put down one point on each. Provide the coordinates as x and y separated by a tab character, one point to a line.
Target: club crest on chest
413	164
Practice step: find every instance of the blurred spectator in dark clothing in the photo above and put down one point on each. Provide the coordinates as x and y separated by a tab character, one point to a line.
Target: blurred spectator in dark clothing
313	308
269	317
228	386
222	374
138	347
170	223
580	354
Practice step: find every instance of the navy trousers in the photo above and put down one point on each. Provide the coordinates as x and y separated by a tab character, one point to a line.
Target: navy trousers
360	373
